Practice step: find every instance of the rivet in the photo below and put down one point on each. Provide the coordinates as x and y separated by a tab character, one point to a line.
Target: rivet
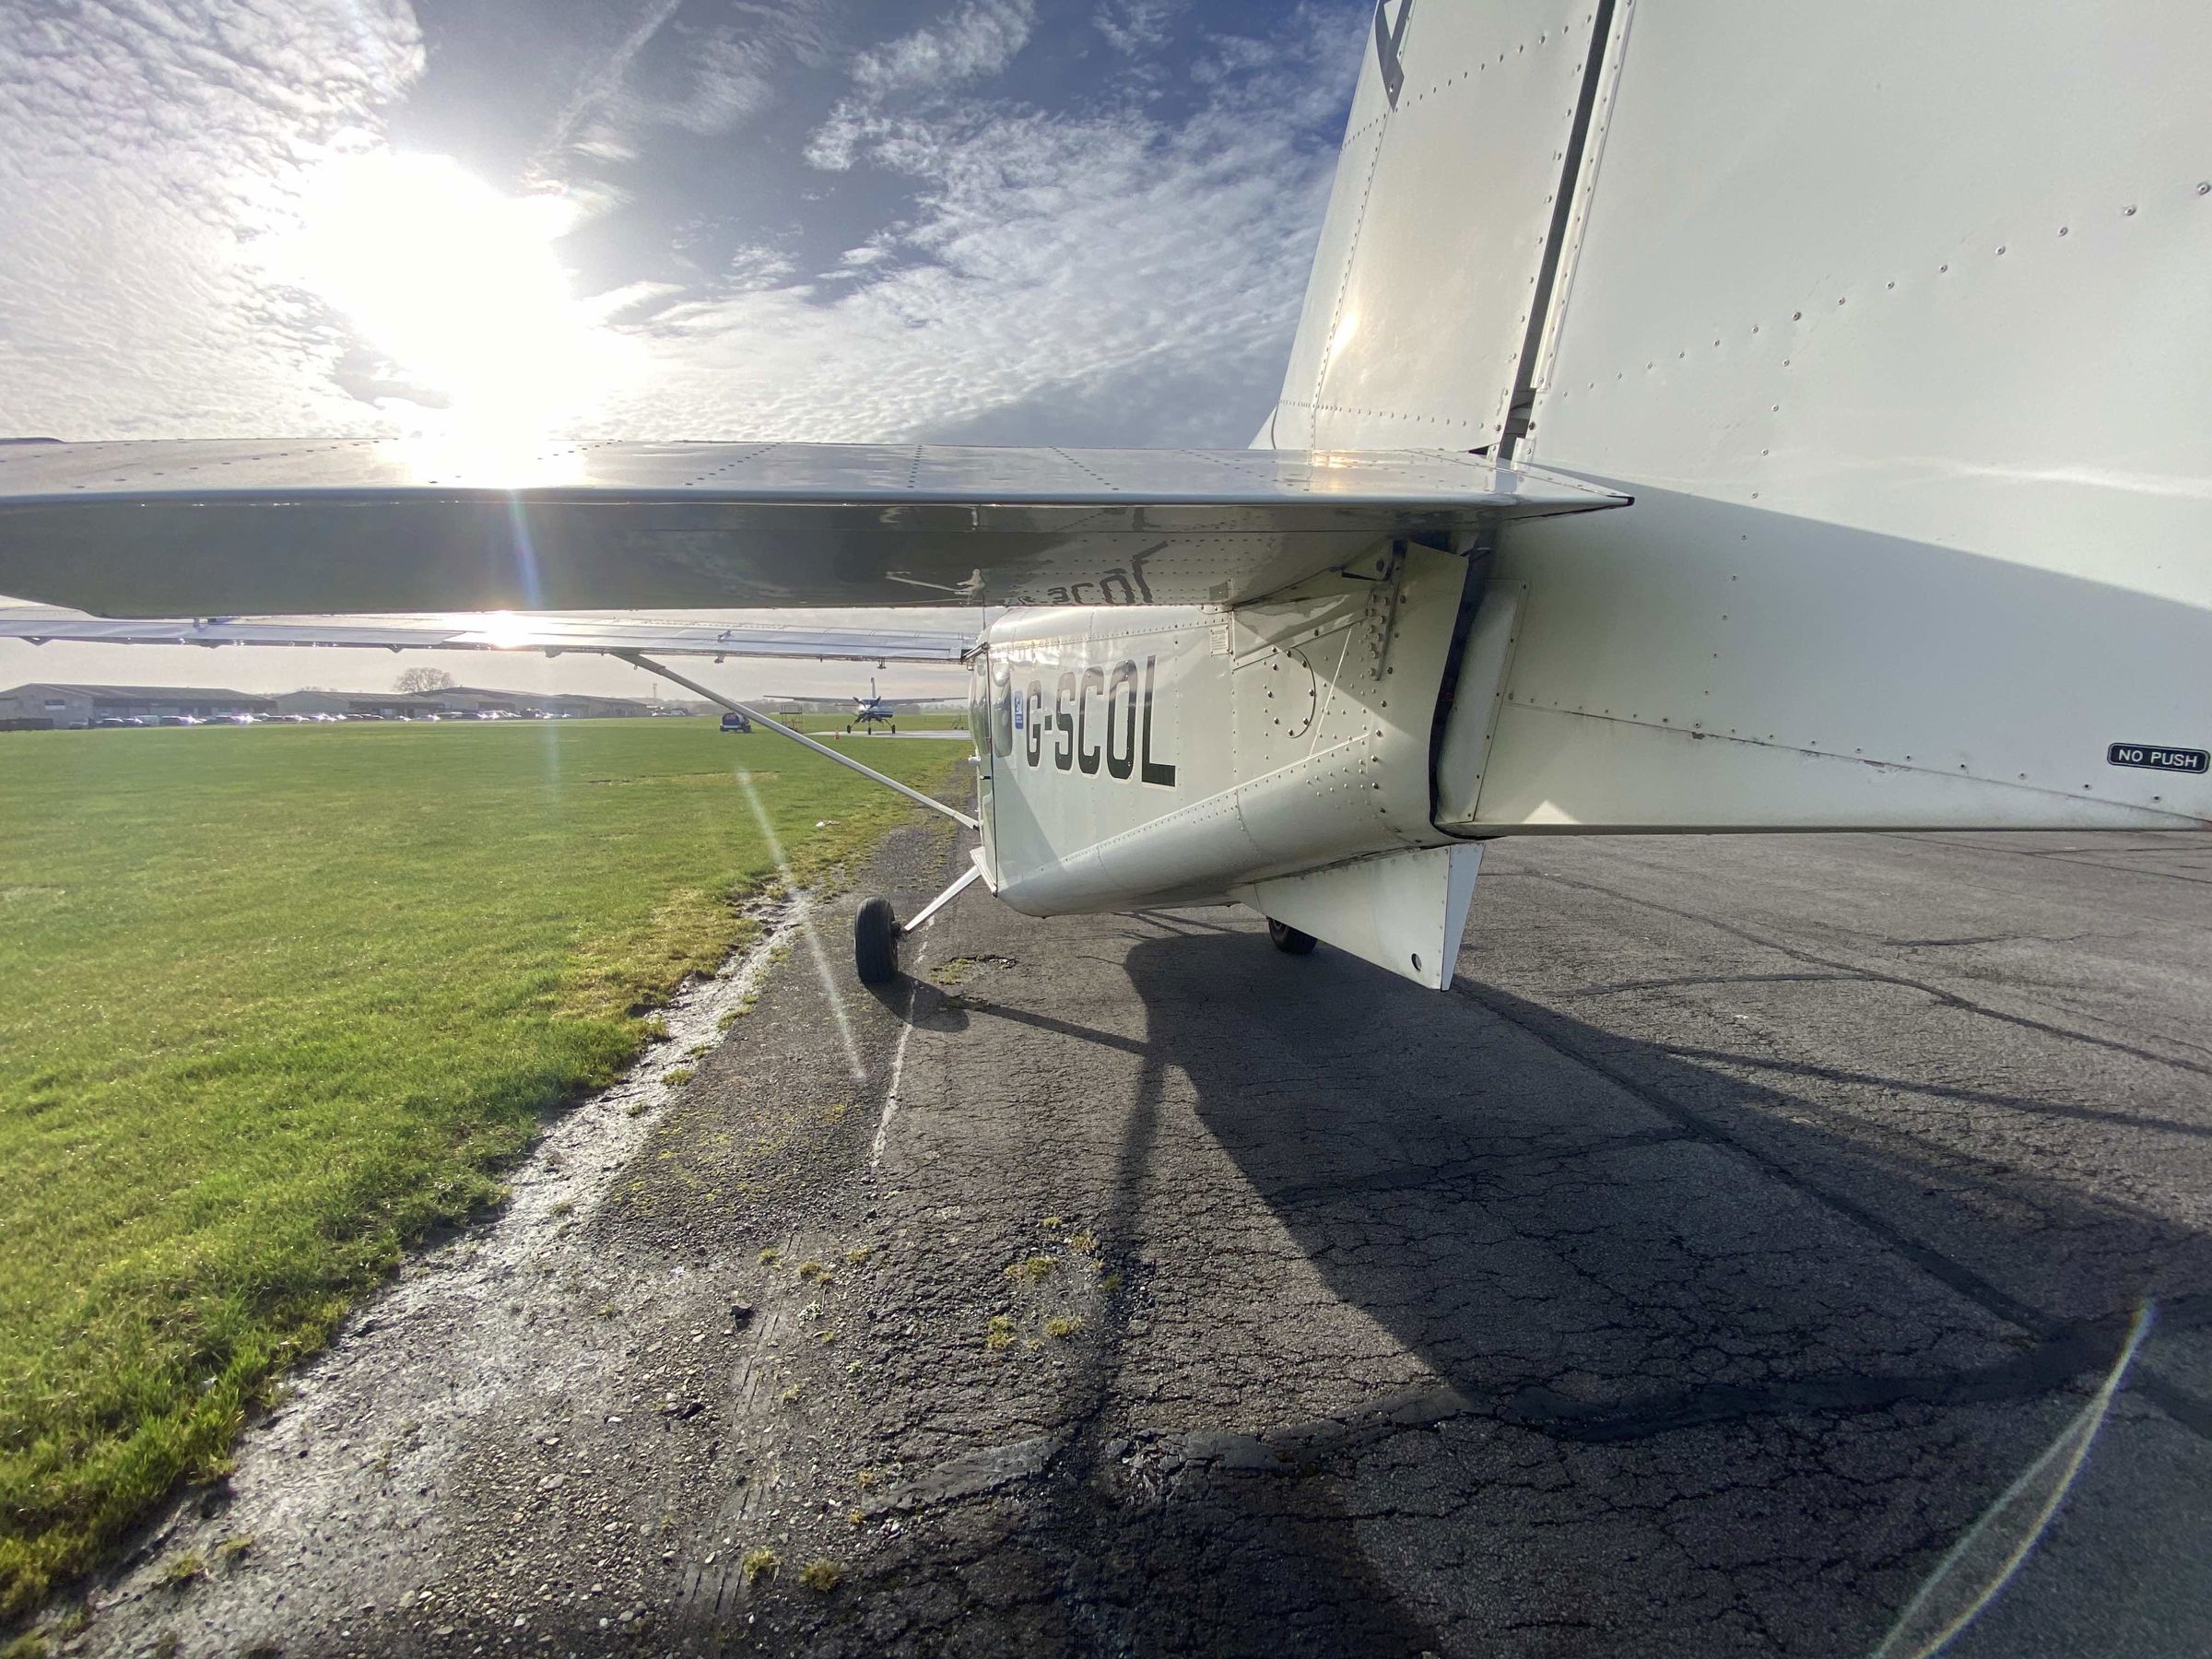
2062	229
2127	213
2201	190
2000	249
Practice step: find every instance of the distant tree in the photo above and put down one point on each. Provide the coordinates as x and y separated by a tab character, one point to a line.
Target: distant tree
415	682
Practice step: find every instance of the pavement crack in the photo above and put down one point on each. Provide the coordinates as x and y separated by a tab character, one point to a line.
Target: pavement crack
2081	1347
1539	1024
1943	997
1976	1097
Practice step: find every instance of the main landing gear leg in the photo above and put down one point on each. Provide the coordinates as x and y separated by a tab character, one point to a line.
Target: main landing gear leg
876	931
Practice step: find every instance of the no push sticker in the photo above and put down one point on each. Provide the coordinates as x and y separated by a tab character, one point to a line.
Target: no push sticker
2158	758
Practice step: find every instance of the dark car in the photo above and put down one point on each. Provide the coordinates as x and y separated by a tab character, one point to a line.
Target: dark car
734	722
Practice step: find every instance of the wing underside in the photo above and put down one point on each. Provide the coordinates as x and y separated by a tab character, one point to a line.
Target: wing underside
167	529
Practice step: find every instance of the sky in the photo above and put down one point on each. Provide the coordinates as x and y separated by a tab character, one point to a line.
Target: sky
990	221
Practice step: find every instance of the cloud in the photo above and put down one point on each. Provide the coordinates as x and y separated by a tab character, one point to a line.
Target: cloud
705	80
1110	257
1133	27
1113	276
977	39
142	153
604	84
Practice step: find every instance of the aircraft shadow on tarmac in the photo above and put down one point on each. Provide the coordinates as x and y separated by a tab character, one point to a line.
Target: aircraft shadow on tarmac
1640	1282
919	1003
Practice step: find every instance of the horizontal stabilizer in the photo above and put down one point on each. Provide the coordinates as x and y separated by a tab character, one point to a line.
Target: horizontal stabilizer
552	633
160	529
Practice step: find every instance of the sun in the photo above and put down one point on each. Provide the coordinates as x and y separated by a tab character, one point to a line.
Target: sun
459	284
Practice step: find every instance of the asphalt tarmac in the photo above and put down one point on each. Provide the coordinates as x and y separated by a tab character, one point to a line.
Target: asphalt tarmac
1735	1262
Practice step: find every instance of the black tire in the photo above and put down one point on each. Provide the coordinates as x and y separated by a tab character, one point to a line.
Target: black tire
876	943
1289	940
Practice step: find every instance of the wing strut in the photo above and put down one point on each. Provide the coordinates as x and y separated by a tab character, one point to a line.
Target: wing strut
646	663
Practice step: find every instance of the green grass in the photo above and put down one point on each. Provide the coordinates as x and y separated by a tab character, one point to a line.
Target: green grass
274	1001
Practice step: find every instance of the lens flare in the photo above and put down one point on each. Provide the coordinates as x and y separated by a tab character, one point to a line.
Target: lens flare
1982	1562
835	997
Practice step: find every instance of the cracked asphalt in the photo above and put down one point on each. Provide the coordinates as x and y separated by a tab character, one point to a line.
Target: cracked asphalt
1754	1215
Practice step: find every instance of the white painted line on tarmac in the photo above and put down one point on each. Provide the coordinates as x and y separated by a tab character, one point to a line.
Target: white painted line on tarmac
890	1097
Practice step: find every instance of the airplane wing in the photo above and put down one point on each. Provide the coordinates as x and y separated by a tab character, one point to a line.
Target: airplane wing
164	529
553	633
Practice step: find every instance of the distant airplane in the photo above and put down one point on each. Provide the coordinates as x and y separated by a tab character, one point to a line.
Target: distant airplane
1701	418
868	710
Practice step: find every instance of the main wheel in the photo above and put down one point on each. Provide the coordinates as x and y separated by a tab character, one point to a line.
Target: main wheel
1289	940
876	943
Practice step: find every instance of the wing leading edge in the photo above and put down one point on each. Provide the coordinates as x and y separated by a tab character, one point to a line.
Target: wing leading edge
162	529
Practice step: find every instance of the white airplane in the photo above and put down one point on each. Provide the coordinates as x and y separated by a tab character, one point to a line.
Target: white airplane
868	710
1704	417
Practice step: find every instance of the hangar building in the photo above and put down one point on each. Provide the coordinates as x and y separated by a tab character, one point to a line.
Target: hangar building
41	707
68	707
